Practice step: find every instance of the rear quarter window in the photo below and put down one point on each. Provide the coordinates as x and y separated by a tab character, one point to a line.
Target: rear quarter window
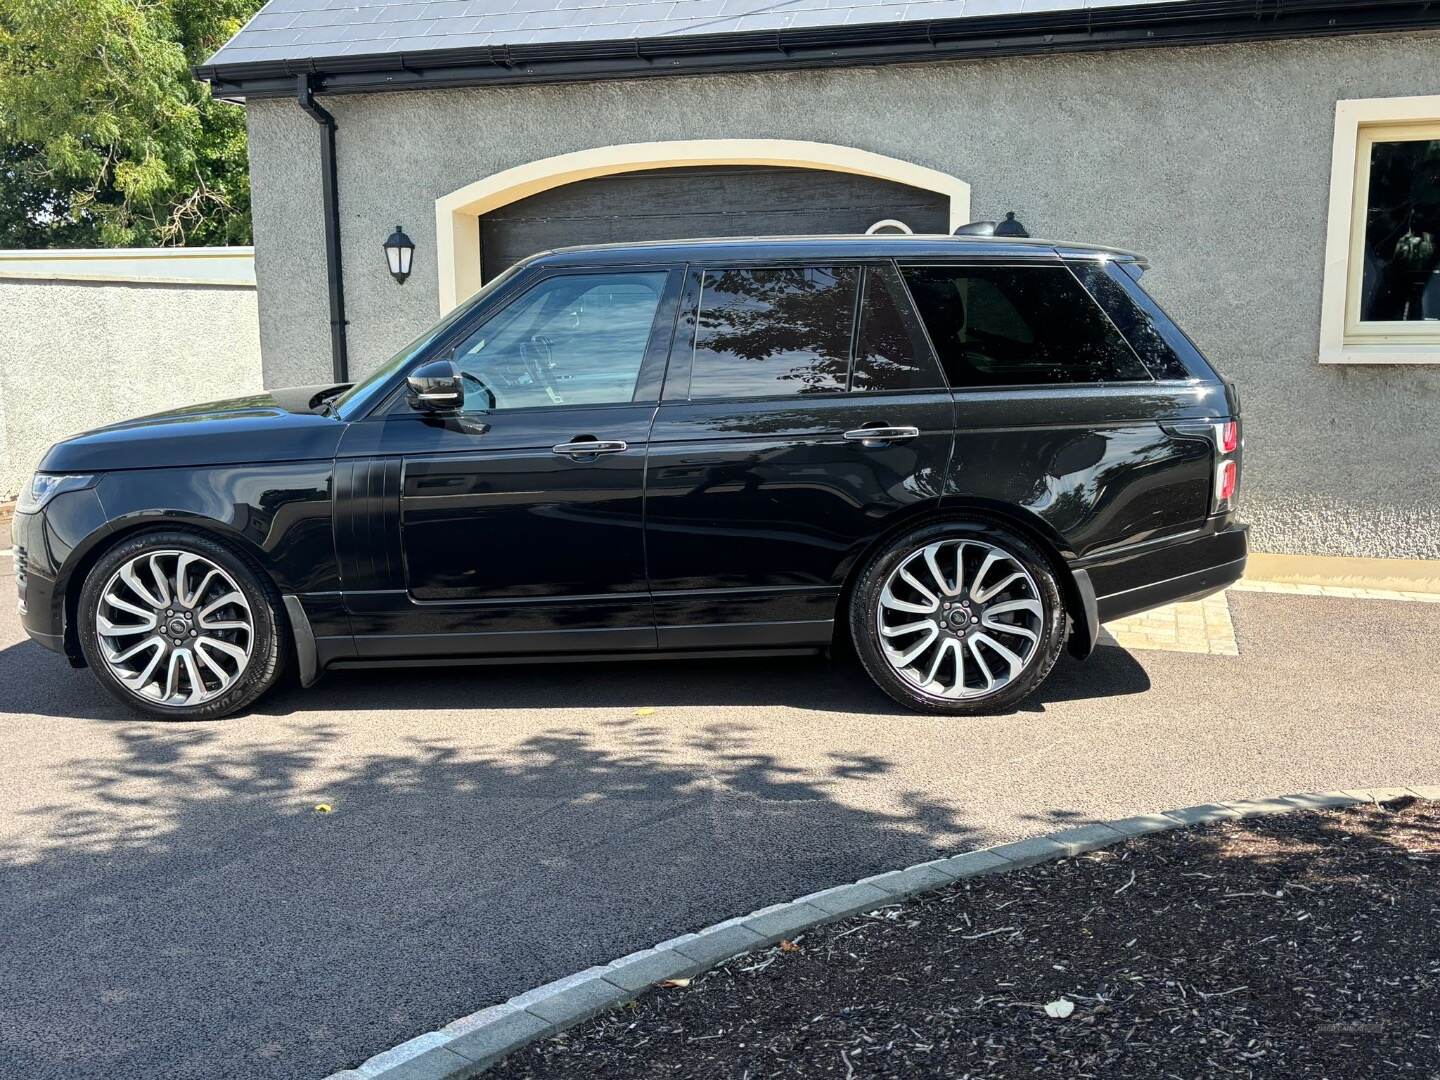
1018	326
1140	330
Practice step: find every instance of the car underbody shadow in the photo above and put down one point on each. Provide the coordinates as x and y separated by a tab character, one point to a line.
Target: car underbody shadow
41	683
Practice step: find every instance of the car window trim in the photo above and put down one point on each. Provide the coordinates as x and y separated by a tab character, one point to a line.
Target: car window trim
857	308
682	348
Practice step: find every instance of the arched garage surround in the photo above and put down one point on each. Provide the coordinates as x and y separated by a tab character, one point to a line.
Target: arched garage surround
457	215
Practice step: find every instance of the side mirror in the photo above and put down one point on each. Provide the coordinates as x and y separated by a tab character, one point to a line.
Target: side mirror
436	387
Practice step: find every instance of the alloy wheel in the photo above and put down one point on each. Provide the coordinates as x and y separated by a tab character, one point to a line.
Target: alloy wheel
959	618
174	628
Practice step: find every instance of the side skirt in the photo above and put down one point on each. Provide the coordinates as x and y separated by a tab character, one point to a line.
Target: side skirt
573	658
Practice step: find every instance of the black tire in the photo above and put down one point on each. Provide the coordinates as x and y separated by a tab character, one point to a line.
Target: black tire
1048	625
258	673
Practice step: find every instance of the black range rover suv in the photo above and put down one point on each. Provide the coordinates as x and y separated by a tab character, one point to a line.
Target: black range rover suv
958	453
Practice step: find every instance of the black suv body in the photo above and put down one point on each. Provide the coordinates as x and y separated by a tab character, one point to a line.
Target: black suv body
959	453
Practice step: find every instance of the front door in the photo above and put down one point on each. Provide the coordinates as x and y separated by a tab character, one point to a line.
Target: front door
520	519
789	434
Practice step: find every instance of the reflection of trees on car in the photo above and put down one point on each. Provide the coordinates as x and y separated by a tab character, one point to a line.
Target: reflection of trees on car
795	320
575	339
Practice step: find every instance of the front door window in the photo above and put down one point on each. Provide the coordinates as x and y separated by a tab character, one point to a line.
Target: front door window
574	339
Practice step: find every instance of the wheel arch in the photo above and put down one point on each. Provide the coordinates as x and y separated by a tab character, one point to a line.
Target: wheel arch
127	529
1075	589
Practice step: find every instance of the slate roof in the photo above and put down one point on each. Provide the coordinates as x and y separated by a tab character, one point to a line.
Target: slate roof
297	30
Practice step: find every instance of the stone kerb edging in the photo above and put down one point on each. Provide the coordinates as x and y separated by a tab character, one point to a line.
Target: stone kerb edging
473	1043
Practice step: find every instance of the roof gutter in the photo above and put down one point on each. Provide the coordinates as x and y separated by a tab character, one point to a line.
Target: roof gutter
1186	22
330	198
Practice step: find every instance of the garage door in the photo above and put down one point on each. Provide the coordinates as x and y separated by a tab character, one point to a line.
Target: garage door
669	204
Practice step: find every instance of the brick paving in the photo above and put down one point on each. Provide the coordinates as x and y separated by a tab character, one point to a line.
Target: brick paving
1199	626
1204	626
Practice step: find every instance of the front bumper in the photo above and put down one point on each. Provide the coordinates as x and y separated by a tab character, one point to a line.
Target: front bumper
46	546
1186	569
41	617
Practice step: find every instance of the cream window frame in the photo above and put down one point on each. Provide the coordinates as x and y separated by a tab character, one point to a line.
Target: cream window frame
1359	124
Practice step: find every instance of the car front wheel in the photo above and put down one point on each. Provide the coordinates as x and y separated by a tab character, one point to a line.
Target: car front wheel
179	627
958	618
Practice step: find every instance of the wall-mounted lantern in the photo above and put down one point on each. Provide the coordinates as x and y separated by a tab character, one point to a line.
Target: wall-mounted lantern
398	250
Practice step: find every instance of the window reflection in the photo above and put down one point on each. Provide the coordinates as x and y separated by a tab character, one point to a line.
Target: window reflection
890	349
767	332
1018	326
1401	280
1139	329
575	339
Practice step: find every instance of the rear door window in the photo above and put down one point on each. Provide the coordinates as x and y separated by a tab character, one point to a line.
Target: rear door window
773	332
891	352
1018	326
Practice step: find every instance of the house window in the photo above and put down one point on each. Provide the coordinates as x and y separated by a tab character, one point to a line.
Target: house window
1382	267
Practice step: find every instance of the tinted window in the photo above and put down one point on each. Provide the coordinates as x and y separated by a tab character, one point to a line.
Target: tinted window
1139	329
782	331
890	348
1009	326
575	339
1401	278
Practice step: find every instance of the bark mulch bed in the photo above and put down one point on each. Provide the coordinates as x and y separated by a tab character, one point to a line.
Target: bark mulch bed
1305	945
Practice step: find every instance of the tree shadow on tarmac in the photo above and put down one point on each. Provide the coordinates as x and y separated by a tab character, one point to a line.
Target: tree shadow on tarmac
179	906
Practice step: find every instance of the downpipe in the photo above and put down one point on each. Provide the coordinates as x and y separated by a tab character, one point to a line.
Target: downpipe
330	187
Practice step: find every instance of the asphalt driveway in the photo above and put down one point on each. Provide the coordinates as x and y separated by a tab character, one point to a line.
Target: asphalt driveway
172	905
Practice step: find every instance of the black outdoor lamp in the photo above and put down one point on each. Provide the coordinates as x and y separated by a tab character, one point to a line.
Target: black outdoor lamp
398	250
1011	227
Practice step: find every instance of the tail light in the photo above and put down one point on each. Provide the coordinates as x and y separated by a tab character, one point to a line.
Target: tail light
1227	465
1228	436
1225	482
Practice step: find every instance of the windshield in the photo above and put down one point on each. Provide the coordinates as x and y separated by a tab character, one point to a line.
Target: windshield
361	396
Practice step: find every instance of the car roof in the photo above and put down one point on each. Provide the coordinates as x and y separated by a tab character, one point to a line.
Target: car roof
878	246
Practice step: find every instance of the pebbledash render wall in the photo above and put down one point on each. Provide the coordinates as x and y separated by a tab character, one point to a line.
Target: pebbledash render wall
91	337
1214	161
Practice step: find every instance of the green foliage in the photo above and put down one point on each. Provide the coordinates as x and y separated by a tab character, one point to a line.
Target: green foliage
105	136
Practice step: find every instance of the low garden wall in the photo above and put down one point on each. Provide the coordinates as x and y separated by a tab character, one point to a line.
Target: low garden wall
91	337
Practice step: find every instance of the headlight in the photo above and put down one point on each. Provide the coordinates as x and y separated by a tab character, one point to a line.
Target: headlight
45	486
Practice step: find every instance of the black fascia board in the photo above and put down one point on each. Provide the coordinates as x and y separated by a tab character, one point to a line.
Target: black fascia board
1187	22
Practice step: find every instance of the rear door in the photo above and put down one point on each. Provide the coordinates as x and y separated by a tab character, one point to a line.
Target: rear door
801	410
1056	412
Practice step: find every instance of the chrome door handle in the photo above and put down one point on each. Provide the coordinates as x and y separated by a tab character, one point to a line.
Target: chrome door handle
590	447
879	436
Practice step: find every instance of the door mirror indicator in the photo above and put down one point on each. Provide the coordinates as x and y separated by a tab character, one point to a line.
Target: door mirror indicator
436	387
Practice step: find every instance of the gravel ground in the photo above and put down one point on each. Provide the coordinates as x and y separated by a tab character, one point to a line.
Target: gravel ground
1303	945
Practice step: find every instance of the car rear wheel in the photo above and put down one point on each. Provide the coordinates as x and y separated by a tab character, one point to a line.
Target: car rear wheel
179	627
958	618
